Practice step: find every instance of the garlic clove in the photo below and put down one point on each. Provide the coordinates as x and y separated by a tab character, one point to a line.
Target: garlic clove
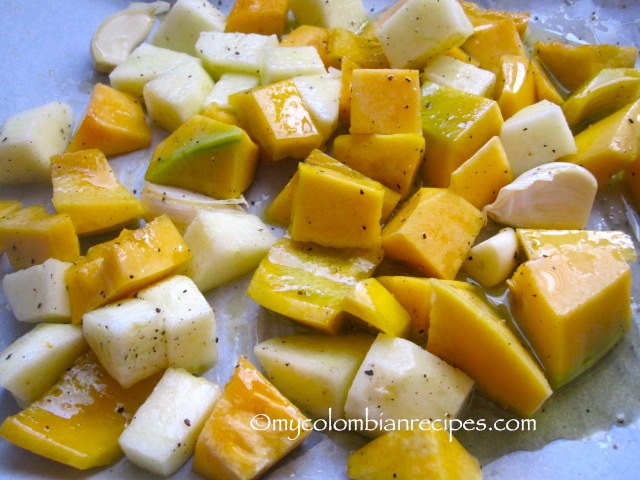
556	195
491	262
119	34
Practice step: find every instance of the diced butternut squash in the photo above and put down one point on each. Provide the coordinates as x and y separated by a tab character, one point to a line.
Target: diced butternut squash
205	156
480	16
466	332
31	236
266	17
231	444
275	117
217	112
393	160
417	453
546	87
385	101
455	125
346	69
572	307
119	267
479	179
630	183
326	204
365	50
370	302
114	123
79	420
8	207
309	35
85	187
515	85
572	65
609	145
308	282
432	232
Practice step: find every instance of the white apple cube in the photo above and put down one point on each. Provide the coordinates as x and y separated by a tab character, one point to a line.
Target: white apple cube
144	64
189	323
321	97
183	24
399	380
163	432
536	135
422	29
39	293
30	138
223	52
464	76
225	245
491	261
314	371
349	14
34	362
282	63
227	85
177	95
128	338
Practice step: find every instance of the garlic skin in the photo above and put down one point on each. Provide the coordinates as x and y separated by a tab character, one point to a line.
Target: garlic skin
119	34
556	195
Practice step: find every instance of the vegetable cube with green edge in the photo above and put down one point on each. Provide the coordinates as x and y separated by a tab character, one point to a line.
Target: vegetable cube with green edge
399	380
225	52
36	360
282	63
446	70
432	453
144	64
181	27
468	333
421	29
39	293
228	84
225	244
491	261
189	323
30	138
162	434
175	96
314	371
349	14
128	338
205	156
321	97
377	308
308	282
535	135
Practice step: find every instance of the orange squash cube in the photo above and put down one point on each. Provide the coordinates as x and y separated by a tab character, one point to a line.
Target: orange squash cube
85	187
494	39
241	439
385	101
515	85
362	49
344	112
79	420
482	16
265	17
114	123
7	207
309	35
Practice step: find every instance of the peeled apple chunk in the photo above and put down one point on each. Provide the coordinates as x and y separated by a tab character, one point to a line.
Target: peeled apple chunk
556	195
120	33
419	453
572	307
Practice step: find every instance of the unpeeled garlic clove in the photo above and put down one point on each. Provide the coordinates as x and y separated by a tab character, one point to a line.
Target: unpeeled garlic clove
117	36
554	195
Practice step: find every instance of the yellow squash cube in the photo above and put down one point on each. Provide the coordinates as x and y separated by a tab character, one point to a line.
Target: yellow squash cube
631	183
205	156
609	145
426	453
79	420
309	35
336	210
307	282
493	39
114	123
515	85
276	118
480	16
546	88
344	112
265	17
85	187
251	427
361	48
572	307
377	307
455	125
31	236
393	160
433	232
467	333
479	179
385	101
7	207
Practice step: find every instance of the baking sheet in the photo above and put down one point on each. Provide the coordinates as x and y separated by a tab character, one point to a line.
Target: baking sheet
587	430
